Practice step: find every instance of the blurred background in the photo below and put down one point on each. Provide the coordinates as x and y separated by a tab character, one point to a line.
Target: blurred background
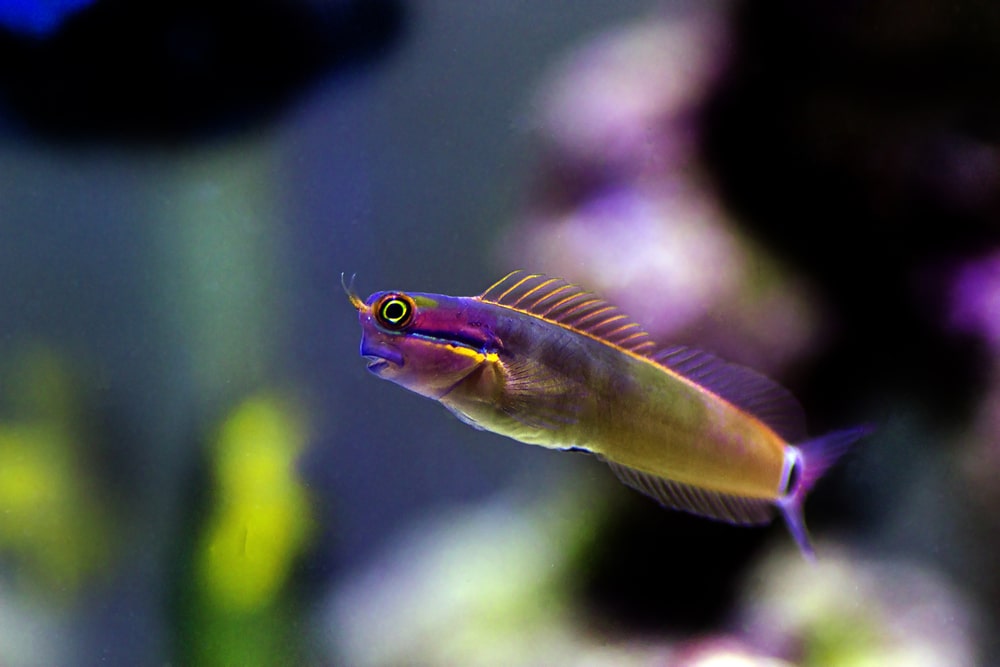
196	469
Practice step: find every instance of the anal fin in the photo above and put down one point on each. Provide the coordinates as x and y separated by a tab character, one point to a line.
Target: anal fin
711	504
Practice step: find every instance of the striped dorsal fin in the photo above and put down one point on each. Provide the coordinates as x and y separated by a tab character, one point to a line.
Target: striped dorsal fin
571	306
559	301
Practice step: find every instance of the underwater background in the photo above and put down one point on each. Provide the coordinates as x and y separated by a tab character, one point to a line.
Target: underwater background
196	469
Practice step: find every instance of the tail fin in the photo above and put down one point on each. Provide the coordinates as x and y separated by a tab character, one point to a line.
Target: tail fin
806	464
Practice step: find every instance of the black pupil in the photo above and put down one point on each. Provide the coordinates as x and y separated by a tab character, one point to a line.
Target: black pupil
394	311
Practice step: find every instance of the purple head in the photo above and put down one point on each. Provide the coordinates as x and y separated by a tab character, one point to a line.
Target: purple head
427	343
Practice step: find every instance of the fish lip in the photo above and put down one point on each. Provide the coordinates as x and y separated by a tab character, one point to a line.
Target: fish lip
380	356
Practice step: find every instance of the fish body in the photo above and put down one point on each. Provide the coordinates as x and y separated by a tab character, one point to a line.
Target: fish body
544	362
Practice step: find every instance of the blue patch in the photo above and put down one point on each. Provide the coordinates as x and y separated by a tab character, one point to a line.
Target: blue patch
38	17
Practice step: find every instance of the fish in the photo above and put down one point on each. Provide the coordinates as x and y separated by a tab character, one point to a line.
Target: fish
546	362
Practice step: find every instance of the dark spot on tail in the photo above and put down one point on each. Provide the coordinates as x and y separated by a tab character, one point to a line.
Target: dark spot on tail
794	475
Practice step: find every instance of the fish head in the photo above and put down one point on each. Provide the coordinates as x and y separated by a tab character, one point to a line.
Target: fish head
427	343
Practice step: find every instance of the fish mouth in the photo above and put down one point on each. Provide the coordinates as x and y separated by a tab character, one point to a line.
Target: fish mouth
377	364
379	356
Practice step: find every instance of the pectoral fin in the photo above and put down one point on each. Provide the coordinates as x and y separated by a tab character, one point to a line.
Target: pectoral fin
534	396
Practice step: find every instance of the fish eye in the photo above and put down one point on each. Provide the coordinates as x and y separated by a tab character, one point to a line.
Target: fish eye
394	311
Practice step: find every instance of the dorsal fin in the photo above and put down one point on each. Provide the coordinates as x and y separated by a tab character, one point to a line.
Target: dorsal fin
559	301
747	389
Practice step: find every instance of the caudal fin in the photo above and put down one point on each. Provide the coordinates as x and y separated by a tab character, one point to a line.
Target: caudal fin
807	463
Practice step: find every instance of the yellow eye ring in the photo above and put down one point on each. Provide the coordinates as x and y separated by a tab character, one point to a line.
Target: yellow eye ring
394	311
